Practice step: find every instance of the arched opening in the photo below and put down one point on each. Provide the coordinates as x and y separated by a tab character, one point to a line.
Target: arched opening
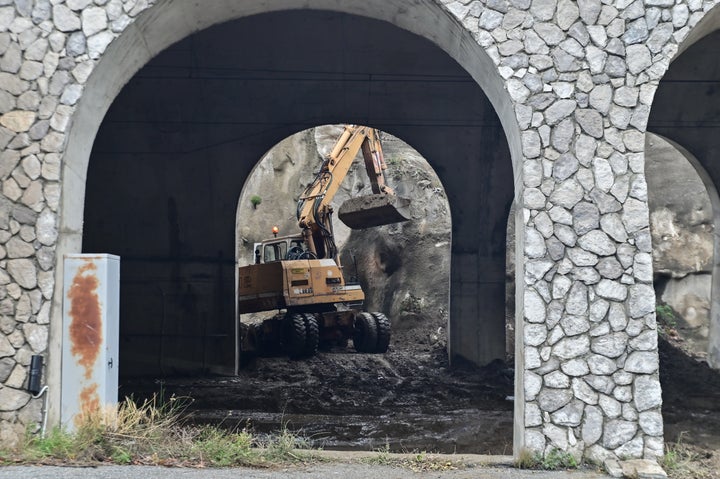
168	172
404	268
404	271
686	110
682	199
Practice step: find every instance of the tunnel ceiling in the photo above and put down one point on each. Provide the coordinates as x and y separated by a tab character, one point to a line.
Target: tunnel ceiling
686	107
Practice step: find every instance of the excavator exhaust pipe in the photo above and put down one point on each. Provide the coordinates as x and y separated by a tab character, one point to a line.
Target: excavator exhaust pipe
374	210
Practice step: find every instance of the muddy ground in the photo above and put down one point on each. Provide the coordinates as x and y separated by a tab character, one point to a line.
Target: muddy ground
404	400
410	400
691	409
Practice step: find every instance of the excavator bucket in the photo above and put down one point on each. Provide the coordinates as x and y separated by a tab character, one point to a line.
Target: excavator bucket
374	210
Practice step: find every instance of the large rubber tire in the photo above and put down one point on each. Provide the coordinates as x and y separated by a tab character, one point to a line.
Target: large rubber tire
294	335
382	324
365	335
312	334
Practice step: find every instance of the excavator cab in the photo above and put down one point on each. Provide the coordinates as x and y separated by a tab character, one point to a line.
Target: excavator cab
283	248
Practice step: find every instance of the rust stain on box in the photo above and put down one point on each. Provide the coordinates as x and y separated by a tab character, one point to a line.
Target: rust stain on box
89	404
86	324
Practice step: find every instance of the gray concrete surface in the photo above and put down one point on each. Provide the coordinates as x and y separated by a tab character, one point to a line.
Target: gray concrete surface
346	471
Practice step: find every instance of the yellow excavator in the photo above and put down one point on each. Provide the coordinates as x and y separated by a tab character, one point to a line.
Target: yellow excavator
300	275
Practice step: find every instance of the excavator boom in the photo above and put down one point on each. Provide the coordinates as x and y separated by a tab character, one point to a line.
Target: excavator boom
380	208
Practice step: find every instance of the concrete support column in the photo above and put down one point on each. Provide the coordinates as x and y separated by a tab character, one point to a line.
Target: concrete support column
477	308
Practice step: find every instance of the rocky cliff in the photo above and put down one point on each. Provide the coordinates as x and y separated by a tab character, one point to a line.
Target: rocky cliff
681	224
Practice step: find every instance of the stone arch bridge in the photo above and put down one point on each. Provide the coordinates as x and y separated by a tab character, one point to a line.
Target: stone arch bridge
541	102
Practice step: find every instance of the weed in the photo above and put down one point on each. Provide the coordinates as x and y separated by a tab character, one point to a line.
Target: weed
552	461
527	460
223	449
666	315
392	161
421	462
255	200
557	459
121	456
681	462
152	432
284	447
383	456
57	444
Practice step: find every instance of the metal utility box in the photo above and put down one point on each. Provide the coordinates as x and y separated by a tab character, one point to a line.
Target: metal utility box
91	320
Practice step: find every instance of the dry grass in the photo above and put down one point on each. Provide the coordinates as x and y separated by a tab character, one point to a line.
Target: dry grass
684	461
153	433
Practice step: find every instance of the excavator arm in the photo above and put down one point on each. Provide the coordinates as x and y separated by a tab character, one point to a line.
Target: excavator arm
314	210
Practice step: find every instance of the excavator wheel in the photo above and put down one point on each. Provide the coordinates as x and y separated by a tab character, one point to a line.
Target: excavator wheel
294	335
365	336
312	334
383	332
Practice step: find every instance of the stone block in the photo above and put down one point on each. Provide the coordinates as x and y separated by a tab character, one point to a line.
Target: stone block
642	469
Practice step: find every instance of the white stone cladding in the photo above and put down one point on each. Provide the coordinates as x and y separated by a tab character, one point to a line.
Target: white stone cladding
581	76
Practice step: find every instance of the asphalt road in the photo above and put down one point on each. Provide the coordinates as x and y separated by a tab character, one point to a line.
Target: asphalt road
326	470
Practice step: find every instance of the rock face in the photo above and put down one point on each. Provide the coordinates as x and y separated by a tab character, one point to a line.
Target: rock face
681	225
399	266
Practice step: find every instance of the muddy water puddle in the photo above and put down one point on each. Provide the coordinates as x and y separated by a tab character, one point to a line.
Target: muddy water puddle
460	431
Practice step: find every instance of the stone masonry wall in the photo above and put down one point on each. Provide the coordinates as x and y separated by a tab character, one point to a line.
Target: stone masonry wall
48	50
581	76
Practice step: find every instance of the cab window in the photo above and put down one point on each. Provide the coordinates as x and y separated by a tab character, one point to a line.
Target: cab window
274	252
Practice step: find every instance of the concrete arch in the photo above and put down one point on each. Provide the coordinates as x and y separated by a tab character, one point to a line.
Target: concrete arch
169	21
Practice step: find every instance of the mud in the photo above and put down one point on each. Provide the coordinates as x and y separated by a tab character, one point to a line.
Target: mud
404	400
410	400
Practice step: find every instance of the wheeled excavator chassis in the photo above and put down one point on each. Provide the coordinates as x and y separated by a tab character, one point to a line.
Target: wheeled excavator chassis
318	310
301	334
